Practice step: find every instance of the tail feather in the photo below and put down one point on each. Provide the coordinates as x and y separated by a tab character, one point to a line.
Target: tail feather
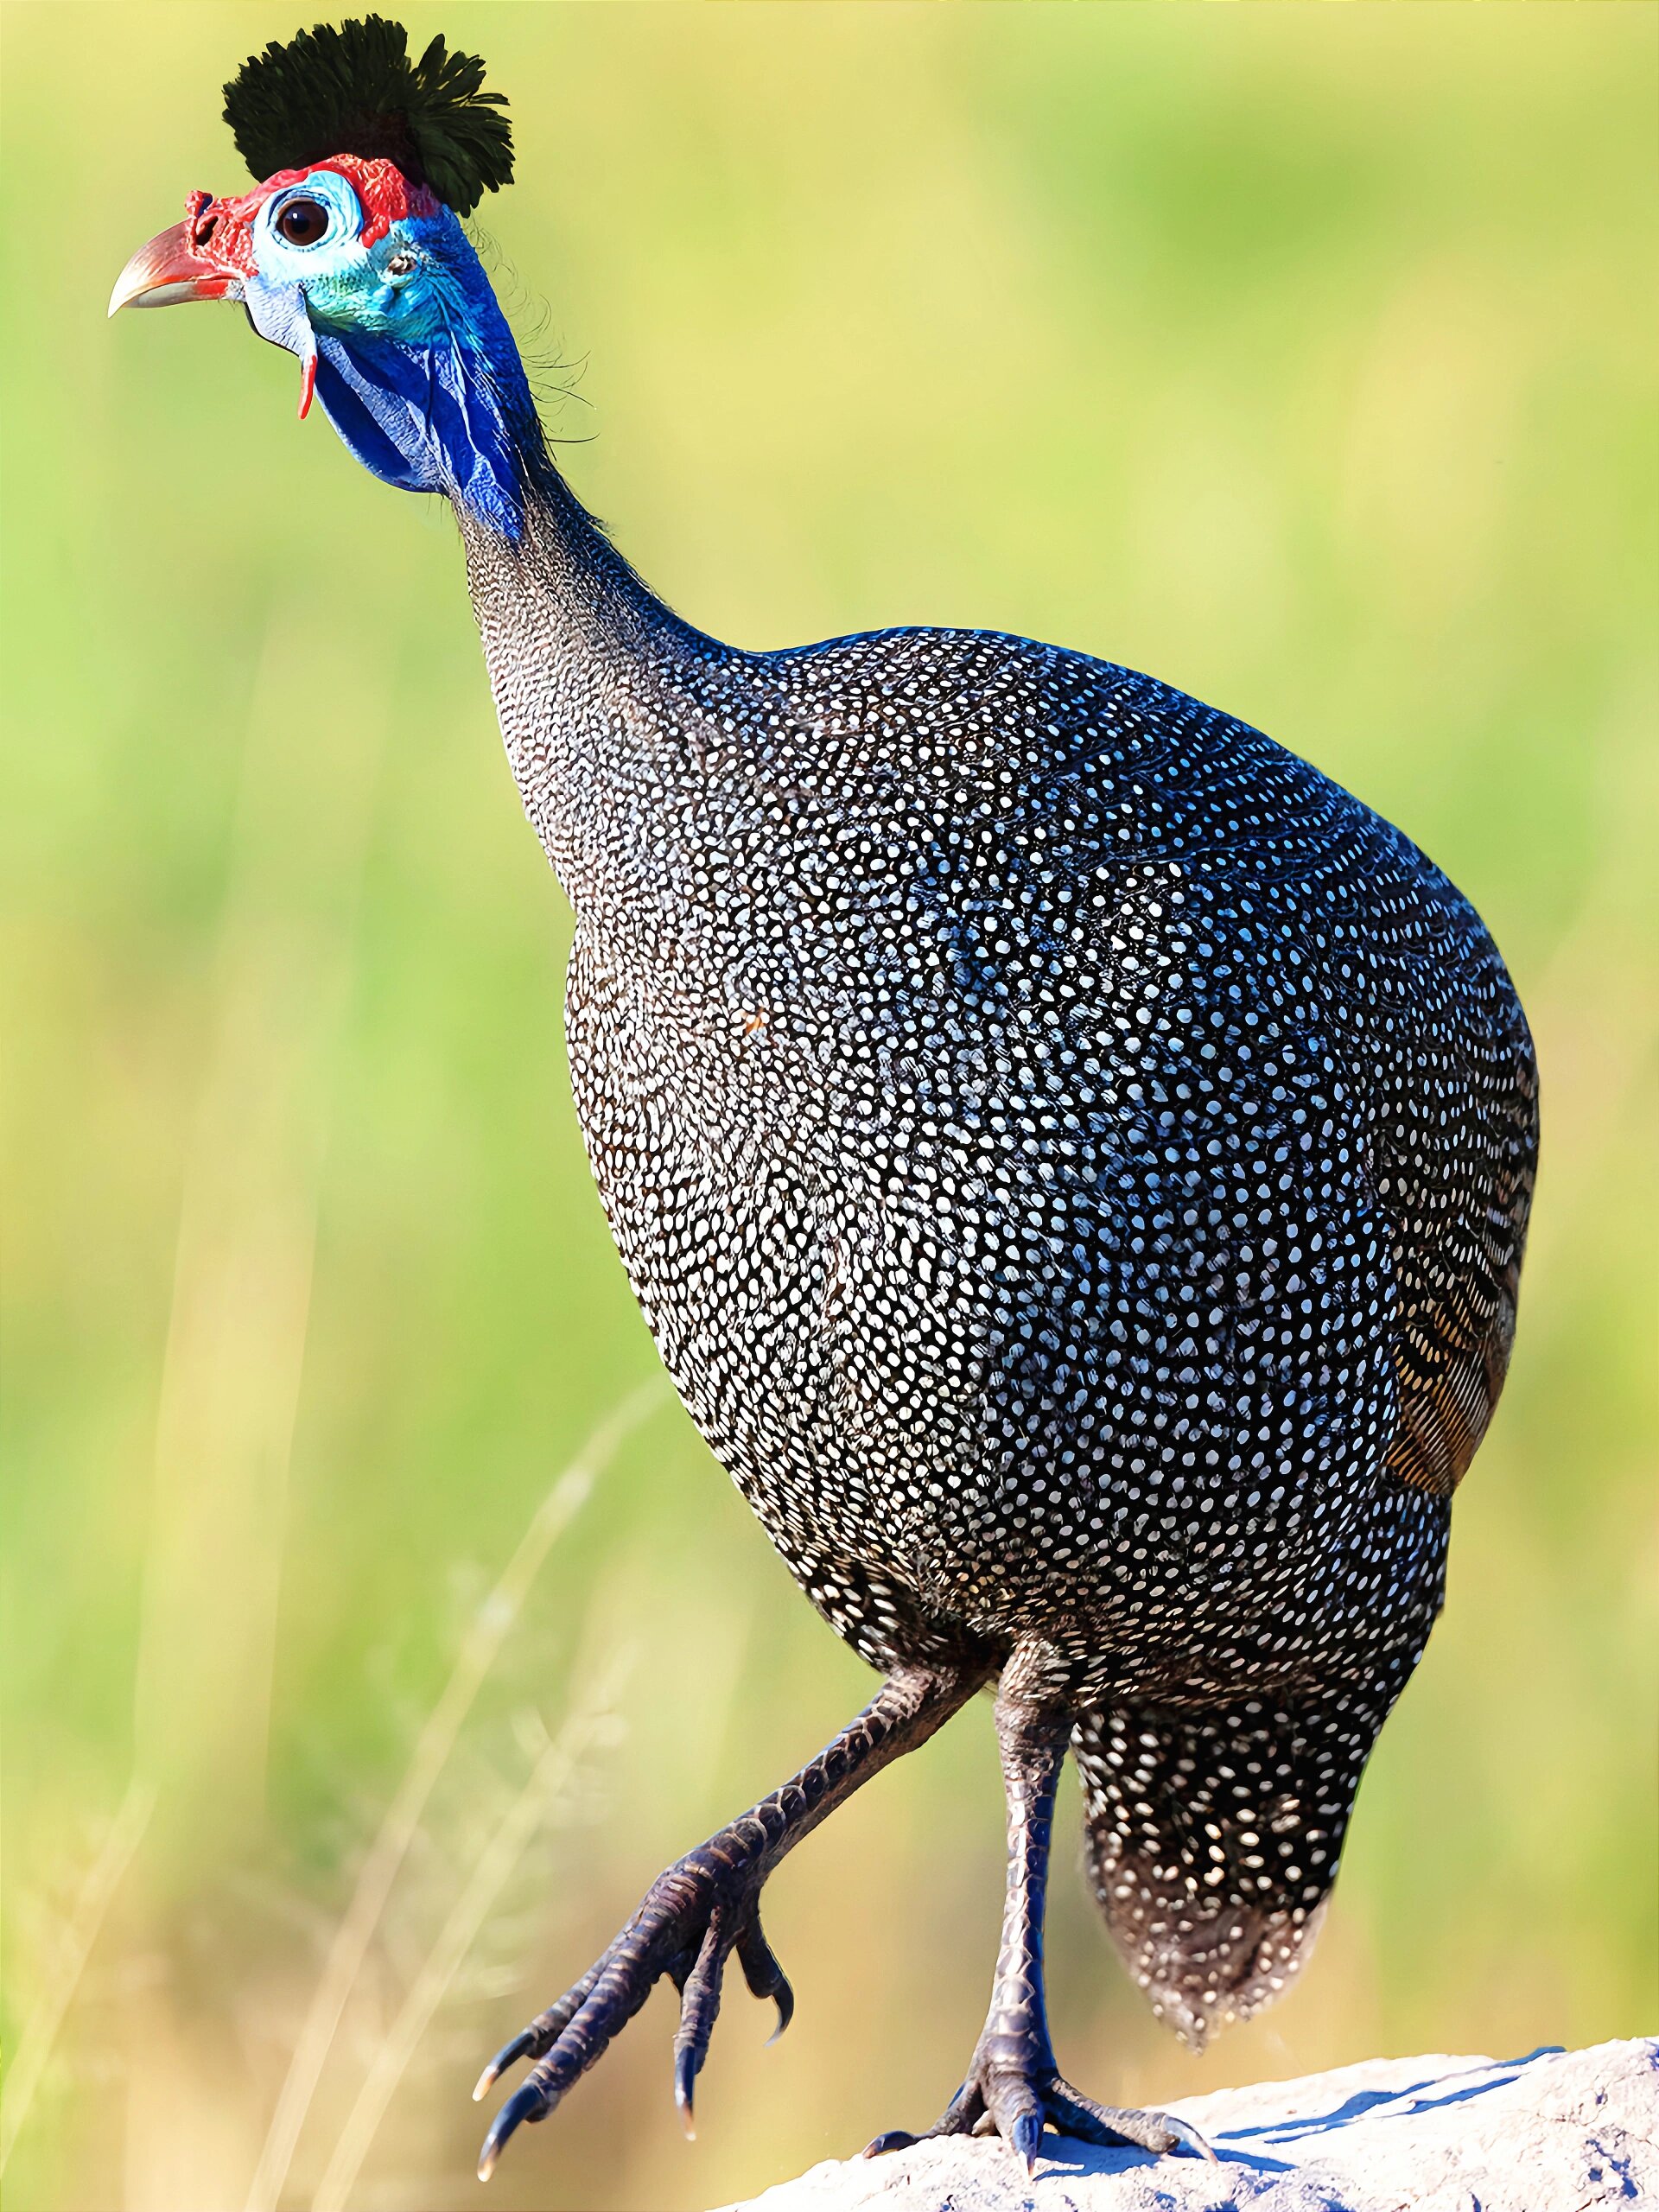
1213	1837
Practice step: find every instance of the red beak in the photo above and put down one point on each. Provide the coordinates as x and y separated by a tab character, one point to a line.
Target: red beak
170	269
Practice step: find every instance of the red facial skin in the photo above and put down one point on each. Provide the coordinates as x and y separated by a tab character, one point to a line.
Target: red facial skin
212	250
387	194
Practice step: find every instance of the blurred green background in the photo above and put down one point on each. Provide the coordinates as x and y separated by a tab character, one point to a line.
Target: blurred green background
1301	355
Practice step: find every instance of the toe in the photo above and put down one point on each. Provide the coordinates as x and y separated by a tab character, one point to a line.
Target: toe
1080	2116
544	2031
1014	2106
524	2103
896	2139
699	2009
686	2062
687	1925
1188	2137
1025	2136
763	1973
523	2045
966	2115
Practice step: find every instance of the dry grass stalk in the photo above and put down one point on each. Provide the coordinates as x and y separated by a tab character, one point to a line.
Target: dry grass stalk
550	1776
80	1933
491	1625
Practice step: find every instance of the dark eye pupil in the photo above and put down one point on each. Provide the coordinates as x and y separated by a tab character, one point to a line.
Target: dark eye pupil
303	222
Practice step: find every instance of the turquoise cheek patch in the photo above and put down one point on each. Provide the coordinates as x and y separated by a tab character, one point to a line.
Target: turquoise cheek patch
419	375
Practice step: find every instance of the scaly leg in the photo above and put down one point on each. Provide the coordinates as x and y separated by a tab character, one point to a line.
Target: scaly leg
696	1915
1013	2084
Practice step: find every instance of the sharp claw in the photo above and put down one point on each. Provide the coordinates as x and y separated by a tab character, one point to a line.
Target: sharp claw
526	2102
1188	2136
783	1997
896	2139
692	1919
685	2076
521	2047
764	1976
1025	2136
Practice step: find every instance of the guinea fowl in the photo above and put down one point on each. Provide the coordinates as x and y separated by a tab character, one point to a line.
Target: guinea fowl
1074	1159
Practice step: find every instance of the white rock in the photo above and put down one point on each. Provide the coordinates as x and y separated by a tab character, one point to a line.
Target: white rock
1561	2131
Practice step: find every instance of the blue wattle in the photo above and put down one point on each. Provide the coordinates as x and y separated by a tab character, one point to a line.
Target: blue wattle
446	411
416	417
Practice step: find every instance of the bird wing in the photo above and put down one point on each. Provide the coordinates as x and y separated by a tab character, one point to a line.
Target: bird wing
1103	956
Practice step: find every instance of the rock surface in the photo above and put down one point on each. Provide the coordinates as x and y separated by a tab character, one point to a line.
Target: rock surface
1559	2132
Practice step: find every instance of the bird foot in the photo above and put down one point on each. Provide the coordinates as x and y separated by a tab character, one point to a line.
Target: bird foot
1018	2100
690	1923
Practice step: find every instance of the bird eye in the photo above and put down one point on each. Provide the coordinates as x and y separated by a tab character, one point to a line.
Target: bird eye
303	222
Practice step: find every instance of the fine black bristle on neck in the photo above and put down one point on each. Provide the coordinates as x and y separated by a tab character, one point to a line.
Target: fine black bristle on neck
355	91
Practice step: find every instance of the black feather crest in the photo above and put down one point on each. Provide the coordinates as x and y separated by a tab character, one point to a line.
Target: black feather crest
355	91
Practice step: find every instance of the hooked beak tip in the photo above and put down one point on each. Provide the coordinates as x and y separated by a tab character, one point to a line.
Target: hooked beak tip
168	271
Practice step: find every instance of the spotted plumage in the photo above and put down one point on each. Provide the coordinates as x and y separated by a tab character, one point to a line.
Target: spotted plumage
1073	1158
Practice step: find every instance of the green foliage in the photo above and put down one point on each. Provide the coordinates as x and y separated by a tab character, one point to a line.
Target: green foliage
1300	355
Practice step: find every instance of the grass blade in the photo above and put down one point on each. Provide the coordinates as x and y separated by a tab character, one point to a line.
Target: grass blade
480	1648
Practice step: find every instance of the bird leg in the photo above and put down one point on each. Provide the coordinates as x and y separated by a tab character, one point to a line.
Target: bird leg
706	1909
1014	2085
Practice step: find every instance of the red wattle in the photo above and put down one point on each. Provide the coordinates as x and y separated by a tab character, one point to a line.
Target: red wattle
308	384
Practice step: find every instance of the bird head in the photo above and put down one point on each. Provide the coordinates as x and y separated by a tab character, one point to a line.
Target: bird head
350	253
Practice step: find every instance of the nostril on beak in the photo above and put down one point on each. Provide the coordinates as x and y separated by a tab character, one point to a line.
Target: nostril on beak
200	217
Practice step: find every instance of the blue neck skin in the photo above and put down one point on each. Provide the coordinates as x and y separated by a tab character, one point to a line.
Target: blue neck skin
417	372
441	406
